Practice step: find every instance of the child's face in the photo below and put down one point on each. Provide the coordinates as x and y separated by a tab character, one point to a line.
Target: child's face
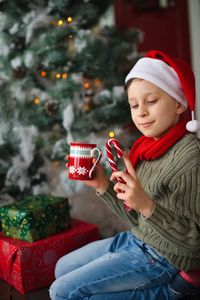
153	111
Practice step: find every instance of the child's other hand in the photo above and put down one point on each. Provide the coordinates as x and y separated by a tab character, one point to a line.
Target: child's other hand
131	191
100	181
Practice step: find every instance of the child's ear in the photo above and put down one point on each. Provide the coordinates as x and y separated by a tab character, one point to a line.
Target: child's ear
180	108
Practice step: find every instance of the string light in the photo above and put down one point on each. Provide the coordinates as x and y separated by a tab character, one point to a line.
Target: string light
69	19
60	22
86	85
43	73
36	101
64	75
58	75
111	134
53	75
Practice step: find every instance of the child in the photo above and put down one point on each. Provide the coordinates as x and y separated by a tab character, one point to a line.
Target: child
160	257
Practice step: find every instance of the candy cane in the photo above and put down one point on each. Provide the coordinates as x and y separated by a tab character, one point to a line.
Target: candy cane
119	151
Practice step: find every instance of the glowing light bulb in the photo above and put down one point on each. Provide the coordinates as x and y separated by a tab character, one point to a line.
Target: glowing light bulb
58	75
64	75
36	101
60	22
69	19
111	134
43	73
86	85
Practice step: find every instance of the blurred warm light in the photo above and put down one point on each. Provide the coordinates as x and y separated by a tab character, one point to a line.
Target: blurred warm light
36	100
58	75
86	85
64	75
43	73
60	22
111	134
69	19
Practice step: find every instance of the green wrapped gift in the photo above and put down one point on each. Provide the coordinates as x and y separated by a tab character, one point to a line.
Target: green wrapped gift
35	217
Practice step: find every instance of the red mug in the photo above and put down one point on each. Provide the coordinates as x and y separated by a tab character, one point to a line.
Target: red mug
81	166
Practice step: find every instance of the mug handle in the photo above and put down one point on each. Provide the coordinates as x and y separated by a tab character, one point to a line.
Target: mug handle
92	153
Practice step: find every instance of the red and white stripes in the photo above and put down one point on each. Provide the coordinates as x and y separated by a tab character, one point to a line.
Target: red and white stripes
117	146
114	143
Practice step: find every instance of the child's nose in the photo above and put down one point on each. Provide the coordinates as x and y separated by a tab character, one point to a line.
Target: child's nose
142	110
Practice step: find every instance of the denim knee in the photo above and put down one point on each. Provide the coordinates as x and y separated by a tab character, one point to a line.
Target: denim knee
53	294
54	291
58	268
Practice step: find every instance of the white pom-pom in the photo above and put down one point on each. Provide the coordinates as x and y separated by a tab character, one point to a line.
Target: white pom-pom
193	126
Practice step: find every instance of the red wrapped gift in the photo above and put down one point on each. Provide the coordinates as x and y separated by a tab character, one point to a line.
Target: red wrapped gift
30	266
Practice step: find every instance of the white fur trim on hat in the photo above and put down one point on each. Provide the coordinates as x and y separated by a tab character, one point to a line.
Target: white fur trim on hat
161	74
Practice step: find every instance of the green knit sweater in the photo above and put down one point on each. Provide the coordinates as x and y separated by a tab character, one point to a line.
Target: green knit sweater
173	182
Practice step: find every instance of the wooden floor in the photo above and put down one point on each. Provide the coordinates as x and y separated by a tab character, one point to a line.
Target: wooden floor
9	293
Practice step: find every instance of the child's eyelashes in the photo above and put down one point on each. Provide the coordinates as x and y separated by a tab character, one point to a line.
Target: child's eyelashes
152	101
148	102
134	106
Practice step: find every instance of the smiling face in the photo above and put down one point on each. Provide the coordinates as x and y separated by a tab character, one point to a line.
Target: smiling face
153	111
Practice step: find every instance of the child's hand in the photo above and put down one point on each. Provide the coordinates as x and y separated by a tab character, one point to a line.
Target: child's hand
100	181
131	192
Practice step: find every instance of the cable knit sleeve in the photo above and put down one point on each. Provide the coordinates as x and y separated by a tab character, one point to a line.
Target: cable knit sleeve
116	205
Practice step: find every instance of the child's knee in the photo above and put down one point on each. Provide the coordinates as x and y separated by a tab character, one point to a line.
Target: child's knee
59	270
54	291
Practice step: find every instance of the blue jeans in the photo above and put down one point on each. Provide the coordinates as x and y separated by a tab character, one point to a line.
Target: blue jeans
118	268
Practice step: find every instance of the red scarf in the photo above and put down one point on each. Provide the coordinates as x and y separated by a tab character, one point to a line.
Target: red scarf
146	148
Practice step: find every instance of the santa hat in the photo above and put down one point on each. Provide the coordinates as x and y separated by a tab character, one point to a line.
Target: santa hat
172	75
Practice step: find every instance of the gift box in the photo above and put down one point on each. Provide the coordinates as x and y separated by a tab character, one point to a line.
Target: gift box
35	217
30	266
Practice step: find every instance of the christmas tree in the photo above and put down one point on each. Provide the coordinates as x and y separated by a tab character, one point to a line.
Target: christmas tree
62	69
